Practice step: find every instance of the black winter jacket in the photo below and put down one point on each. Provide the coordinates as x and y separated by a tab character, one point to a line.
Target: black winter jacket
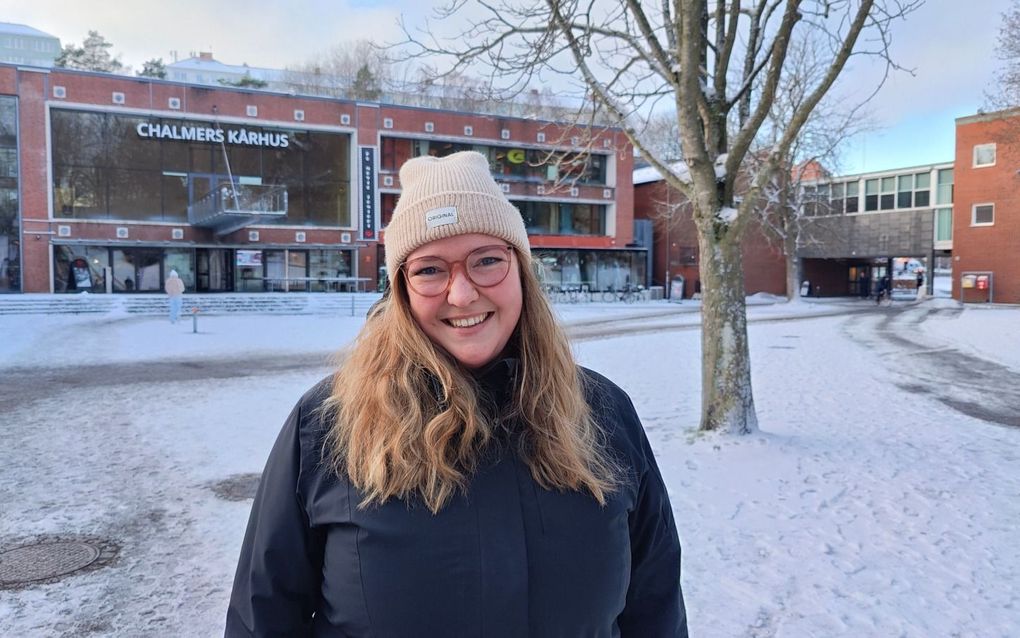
505	559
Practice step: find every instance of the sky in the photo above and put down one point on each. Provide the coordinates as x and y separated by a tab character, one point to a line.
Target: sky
873	502
947	47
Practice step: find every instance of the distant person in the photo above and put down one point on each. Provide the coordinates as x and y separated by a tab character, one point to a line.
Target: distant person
920	284
460	474
882	290
175	292
862	284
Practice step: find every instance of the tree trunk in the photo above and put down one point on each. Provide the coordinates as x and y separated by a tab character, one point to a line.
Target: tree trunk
792	267
727	403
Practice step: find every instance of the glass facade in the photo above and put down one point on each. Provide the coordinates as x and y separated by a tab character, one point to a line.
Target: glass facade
79	268
135	168
518	164
597	269
899	192
10	218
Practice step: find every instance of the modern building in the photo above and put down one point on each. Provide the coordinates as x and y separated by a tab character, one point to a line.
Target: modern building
107	182
21	44
858	229
855	230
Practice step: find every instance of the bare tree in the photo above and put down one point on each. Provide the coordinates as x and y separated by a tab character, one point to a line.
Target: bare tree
718	64
1006	92
787	204
347	70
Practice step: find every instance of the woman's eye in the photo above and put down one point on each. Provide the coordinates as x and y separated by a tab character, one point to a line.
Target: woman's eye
488	260
427	271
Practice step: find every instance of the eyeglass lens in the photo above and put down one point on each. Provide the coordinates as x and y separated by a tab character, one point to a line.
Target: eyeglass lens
485	267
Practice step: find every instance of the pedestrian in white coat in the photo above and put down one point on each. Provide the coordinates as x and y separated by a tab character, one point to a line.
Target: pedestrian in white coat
175	291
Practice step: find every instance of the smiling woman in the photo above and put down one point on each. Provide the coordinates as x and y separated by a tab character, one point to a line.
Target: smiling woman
476	481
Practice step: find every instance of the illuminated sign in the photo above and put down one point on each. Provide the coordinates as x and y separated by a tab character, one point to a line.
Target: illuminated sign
239	136
515	156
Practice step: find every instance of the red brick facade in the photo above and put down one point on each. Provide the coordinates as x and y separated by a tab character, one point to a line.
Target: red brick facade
368	125
993	247
676	244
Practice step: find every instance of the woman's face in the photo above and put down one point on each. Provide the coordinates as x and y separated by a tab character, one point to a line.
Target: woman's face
471	322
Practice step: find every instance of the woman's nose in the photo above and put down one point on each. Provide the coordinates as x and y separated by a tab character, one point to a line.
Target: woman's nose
462	291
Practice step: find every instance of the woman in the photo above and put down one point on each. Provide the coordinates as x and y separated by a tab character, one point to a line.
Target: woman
460	475
174	287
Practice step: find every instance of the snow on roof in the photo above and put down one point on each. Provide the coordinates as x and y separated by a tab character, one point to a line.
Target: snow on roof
651	174
215	66
23	29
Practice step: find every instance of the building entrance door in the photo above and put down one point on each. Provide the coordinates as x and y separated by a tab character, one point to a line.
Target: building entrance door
138	270
214	271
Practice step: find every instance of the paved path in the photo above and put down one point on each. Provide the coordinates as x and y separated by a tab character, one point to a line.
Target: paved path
967	383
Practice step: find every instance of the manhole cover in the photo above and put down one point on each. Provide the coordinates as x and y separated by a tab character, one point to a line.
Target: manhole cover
48	559
238	487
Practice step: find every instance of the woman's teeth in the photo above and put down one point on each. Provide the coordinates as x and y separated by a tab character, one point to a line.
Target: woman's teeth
467	322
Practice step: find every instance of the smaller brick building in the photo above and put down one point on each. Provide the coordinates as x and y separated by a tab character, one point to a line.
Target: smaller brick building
986	210
675	241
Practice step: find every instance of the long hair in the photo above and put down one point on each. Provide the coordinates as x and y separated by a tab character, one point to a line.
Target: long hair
404	418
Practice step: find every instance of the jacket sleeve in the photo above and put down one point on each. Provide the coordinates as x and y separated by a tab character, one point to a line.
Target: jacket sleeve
277	584
655	602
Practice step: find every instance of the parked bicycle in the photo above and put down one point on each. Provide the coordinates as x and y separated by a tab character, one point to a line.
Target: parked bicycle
568	293
627	294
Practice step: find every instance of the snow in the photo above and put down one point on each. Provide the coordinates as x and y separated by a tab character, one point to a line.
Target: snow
727	214
867	506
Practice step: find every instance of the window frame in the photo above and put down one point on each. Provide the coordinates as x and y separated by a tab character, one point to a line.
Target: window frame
974	156
973	214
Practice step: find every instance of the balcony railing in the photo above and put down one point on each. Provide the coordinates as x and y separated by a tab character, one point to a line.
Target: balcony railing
230	207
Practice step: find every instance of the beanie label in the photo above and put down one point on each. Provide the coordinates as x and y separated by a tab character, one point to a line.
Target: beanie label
441	216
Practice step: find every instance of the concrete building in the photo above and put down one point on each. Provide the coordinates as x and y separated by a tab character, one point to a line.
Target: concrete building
107	182
21	44
861	228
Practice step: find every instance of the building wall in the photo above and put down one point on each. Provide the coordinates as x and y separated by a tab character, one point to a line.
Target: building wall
676	249
366	123
994	248
884	234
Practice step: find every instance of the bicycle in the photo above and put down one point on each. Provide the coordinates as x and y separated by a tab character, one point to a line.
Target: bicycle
629	294
883	298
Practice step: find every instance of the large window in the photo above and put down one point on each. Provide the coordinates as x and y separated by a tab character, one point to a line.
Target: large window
944	190
10	231
510	163
871	194
128	167
943	224
563	218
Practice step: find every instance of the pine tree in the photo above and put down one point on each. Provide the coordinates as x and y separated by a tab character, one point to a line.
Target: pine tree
93	55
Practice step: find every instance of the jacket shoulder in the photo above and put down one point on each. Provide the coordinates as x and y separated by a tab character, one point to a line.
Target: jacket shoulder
613	411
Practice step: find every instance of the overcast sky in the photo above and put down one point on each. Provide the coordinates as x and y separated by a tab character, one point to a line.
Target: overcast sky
949	44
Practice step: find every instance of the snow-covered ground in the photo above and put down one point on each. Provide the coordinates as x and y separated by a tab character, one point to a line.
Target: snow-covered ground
871	504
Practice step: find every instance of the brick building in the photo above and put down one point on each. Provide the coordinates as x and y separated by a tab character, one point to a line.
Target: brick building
107	182
986	212
674	238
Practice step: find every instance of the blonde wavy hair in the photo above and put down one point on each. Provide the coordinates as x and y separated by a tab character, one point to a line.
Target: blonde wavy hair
404	418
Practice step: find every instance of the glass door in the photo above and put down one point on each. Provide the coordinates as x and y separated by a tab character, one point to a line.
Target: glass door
214	270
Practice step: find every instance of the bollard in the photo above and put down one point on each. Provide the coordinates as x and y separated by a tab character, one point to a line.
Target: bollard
194	319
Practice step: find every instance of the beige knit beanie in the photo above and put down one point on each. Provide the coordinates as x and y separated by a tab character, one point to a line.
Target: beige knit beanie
447	196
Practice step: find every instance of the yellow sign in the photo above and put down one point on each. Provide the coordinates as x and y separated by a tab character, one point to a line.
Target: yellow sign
968	281
515	156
